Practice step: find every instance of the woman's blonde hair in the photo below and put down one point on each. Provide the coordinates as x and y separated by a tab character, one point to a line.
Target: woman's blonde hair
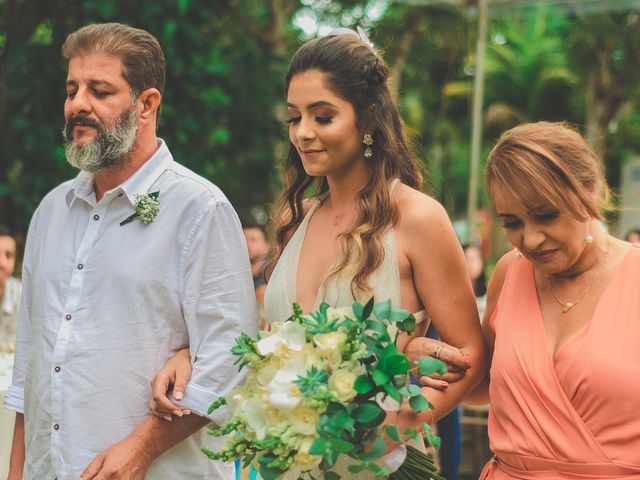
355	72
552	164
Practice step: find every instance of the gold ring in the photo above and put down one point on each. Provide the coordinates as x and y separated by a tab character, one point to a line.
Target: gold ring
436	351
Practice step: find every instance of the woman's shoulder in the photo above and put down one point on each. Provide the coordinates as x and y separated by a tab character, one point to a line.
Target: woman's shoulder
417	208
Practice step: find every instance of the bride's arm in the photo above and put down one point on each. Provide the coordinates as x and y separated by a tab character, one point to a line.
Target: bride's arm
173	375
480	394
442	282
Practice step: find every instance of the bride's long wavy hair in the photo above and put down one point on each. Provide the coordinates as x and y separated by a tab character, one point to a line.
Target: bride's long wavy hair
355	72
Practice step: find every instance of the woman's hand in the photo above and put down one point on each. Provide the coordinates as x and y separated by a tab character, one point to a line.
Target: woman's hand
174	374
456	360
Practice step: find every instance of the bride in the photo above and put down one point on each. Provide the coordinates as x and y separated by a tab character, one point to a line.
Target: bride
352	221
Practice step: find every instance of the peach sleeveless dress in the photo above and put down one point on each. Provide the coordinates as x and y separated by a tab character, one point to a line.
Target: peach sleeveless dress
575	414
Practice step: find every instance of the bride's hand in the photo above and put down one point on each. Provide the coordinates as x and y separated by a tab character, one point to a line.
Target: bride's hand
174	374
456	360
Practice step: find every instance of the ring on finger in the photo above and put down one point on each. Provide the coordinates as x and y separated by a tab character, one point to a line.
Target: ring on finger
436	351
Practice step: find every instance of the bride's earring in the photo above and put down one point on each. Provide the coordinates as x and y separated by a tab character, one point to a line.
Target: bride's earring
518	254
588	238
368	141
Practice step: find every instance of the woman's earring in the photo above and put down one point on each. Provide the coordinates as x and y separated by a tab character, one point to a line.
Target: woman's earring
518	254
368	141
588	238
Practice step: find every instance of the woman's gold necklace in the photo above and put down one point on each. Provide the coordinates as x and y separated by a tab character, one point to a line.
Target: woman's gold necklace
566	306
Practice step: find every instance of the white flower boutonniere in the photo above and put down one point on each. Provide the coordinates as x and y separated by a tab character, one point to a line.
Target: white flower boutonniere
147	207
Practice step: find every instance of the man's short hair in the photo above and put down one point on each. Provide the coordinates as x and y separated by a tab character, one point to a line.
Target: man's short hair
140	53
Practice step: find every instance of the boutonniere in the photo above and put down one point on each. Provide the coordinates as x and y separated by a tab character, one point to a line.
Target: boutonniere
147	207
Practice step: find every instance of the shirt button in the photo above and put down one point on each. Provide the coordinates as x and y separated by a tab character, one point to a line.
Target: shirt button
96	217
56	427
57	369
80	266
67	316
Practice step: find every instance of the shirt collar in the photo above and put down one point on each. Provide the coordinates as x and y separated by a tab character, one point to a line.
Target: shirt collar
138	183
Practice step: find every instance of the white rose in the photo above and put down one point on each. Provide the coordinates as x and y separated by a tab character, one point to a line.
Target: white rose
304	419
330	346
341	385
330	341
304	459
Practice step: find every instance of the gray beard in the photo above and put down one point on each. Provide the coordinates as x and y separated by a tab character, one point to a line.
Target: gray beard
110	147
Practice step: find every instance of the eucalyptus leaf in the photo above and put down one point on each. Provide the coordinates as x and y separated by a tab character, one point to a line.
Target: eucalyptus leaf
409	432
413	390
397	365
369	414
434	440
419	403
382	310
392	392
398	314
393	432
379	377
357	310
362	384
430	365
378	447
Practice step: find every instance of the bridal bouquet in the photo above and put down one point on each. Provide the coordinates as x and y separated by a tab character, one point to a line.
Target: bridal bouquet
313	392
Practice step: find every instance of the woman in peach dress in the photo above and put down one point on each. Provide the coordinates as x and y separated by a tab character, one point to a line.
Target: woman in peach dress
563	317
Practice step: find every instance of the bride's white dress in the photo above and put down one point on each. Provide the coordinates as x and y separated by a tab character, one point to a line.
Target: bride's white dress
281	291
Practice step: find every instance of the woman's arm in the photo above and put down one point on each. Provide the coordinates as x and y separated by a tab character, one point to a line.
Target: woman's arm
174	375
480	394
442	283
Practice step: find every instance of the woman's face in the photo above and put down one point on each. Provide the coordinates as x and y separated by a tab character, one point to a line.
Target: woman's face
322	126
552	240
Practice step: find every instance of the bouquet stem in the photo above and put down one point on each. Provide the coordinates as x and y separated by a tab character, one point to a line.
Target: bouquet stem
417	466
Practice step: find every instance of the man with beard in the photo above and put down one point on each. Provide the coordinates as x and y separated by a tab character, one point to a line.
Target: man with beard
134	259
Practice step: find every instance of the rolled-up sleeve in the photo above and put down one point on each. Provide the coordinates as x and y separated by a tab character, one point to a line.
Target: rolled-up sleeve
218	305
14	398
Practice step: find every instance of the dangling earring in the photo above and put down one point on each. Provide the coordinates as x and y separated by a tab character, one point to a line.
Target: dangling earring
518	254
589	238
368	141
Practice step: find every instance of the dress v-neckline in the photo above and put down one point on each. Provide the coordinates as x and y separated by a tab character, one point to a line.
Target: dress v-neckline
296	258
582	330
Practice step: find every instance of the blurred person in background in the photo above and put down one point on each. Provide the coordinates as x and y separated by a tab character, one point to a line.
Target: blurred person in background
10	289
633	236
259	249
475	264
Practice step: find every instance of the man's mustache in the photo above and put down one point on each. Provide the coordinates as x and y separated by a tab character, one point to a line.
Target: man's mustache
82	121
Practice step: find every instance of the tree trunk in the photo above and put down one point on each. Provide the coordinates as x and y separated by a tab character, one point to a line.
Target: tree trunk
603	103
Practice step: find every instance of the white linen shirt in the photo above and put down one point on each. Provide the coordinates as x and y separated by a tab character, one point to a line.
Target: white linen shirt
105	305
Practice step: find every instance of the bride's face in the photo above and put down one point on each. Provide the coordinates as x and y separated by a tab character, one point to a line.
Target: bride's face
322	126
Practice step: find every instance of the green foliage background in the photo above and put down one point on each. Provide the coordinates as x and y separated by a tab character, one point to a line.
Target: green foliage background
223	108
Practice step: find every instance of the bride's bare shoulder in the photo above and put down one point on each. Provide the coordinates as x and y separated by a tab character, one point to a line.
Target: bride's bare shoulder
417	209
